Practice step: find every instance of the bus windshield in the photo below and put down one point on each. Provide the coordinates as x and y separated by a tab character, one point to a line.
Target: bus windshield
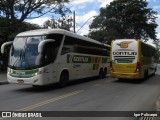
24	52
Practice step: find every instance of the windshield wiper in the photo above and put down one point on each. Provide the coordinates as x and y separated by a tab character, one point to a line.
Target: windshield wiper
18	59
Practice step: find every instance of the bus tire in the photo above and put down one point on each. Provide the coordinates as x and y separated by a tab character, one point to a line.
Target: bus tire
145	74
64	77
104	72
120	79
155	69
101	73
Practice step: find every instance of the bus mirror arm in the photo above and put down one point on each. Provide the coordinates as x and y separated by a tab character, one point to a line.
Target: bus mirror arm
42	43
4	45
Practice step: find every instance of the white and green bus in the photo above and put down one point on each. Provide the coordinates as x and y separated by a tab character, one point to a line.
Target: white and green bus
46	56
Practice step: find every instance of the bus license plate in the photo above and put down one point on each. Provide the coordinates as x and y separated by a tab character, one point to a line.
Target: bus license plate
20	81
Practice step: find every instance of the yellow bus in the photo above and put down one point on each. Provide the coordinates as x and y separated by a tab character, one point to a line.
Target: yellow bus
132	59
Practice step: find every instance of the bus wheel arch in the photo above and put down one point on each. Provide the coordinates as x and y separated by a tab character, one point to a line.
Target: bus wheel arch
64	78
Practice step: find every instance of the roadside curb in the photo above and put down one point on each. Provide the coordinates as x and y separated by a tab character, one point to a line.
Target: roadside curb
4	82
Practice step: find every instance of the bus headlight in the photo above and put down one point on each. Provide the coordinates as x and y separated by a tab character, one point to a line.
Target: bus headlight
37	73
9	71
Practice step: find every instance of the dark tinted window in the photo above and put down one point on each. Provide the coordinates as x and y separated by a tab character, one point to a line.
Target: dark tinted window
69	44
51	48
147	51
49	53
81	46
56	37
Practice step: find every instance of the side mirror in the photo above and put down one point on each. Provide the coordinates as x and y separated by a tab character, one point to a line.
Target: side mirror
4	45
42	43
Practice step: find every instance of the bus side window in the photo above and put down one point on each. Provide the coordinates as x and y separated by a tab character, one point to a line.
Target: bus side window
66	49
49	54
68	45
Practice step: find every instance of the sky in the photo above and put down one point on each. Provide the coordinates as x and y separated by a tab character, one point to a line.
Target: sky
86	10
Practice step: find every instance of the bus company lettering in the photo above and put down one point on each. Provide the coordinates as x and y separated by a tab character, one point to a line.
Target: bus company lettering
80	59
124	53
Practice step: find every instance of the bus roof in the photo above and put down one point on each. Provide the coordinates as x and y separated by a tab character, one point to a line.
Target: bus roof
58	31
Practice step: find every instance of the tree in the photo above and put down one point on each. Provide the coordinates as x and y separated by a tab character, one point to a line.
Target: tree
16	11
64	22
26	9
10	28
125	19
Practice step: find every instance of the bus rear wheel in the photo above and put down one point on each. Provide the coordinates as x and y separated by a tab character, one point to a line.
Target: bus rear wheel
155	69
64	77
104	72
145	74
101	73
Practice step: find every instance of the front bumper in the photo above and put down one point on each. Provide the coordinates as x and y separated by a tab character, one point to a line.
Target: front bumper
126	75
35	80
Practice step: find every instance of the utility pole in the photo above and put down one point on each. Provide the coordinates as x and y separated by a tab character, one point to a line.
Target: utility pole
74	22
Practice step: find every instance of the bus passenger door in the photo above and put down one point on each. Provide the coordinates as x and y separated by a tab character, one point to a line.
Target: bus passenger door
47	61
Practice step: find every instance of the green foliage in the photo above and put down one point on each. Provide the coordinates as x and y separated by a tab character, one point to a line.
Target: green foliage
125	19
14	12
25	9
9	28
63	22
99	35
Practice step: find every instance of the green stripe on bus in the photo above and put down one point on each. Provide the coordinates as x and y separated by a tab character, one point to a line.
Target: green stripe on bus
78	59
25	72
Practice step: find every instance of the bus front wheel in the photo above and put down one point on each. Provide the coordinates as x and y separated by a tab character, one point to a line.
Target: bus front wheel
64	77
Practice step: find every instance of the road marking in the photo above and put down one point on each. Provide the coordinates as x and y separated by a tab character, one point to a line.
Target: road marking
96	85
106	81
50	101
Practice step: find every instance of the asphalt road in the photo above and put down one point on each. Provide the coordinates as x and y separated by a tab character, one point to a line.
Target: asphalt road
106	94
